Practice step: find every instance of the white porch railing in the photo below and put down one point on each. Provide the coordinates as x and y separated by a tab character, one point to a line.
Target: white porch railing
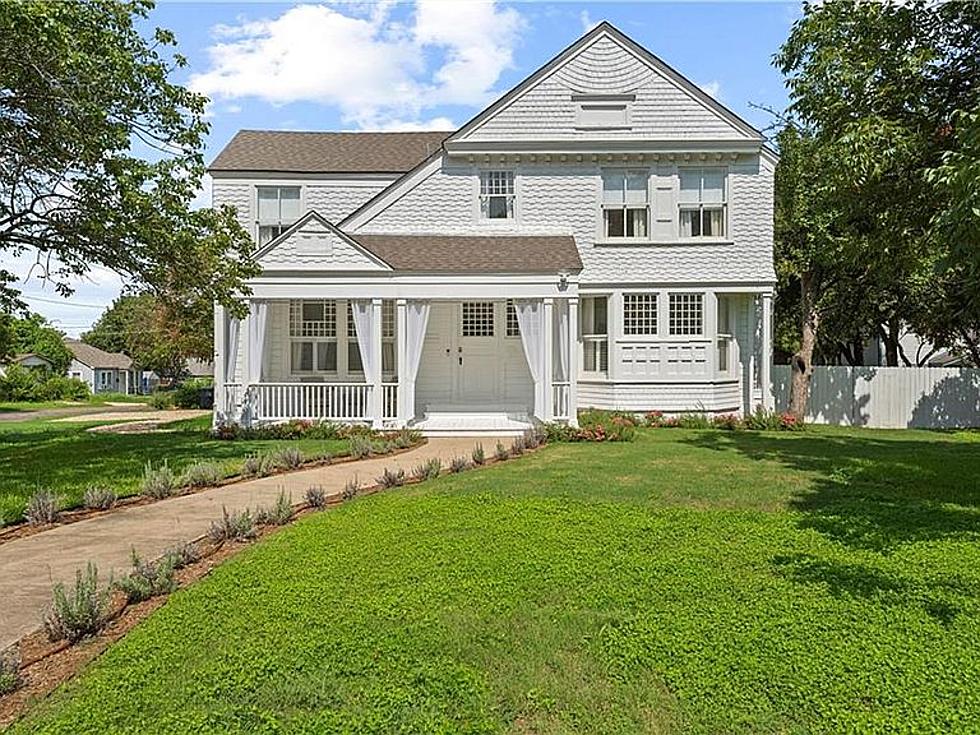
229	399
561	396
389	400
312	401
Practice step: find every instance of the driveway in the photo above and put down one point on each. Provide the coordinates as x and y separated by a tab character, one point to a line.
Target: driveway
29	567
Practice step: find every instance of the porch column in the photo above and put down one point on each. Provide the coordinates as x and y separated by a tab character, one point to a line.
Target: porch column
573	361
765	369
377	397
245	340
547	379
711	331
219	361
401	356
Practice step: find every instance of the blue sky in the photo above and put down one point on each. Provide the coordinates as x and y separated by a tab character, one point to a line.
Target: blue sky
425	64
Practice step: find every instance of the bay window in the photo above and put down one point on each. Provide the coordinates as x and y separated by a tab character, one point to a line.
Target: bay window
703	202
278	209
640	314
686	314
625	204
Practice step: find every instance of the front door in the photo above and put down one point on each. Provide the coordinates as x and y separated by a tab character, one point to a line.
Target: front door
477	353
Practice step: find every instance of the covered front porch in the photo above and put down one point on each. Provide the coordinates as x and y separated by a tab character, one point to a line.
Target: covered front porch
442	365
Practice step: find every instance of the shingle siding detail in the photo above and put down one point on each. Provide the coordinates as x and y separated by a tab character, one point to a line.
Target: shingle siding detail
661	111
565	200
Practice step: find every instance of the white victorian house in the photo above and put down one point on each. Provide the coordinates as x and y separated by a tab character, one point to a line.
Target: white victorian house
601	236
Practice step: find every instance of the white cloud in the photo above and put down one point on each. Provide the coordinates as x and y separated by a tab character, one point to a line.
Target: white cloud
712	88
587	23
375	69
434	123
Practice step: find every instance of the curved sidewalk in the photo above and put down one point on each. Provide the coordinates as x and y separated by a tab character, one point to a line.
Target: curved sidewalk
30	567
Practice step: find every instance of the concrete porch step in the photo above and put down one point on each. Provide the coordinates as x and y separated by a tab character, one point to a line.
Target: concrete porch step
473	423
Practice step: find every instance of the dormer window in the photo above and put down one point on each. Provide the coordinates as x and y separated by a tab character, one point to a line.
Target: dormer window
497	194
625	204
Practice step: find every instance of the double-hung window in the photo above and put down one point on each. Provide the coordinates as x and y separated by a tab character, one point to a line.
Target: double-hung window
497	194
686	314
625	204
595	334
278	209
703	202
313	336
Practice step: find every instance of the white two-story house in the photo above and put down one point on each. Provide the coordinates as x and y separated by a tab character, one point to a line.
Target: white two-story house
601	236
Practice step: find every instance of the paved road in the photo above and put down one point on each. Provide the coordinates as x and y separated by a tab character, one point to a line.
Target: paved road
30	566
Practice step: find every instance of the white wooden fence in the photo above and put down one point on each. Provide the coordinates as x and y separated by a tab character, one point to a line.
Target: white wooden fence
884	397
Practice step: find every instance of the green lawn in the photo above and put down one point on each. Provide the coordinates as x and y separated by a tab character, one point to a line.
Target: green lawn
67	458
698	582
95	400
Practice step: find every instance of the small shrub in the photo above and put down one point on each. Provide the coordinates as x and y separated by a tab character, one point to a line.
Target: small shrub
789	422
392	478
158	483
531	439
478	456
694	421
161	400
556	432
237	526
654	419
517	446
403	439
99	498
316	496
351	488
428	470
384	447
762	419
458	464
183	554
82	612
501	453
42	507
202	474
360	447
277	514
9	670
726	421
284	458
253	465
149	579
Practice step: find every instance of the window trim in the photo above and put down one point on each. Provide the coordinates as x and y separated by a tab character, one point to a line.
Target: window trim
653	298
594	337
480	196
260	223
647	206
700	205
700	334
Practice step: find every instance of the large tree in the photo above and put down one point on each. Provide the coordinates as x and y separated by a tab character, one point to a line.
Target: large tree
158	335
873	90
101	155
33	333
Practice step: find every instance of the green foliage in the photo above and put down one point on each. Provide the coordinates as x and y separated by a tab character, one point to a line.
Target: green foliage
9	670
316	496
594	426
458	464
391	478
99	498
188	393
162	400
428	470
202	474
478	456
33	333
42	507
234	526
149	579
284	458
86	85
80	612
277	514
360	447
500	452
159	482
688	581
301	429
34	386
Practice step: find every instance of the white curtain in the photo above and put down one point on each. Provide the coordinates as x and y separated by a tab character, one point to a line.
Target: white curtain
416	323
530	319
257	317
363	312
561	344
232	329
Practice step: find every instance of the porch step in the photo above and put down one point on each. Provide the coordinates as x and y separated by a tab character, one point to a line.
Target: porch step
473	423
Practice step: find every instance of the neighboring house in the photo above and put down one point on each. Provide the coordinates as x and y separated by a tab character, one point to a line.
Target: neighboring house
196	368
28	360
104	372
600	236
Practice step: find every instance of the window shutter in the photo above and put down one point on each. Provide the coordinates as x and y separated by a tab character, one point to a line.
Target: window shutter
664	203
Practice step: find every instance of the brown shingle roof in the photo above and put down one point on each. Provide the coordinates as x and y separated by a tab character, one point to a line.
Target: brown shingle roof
475	253
96	358
309	152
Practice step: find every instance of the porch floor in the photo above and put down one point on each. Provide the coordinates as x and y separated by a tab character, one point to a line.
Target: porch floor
485	422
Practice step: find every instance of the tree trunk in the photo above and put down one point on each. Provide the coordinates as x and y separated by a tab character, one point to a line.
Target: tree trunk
972	346
890	337
802	361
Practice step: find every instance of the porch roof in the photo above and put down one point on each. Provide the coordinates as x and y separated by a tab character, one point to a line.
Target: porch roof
474	253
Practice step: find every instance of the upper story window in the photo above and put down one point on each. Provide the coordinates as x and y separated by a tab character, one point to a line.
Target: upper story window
703	202
497	194
278	209
625	204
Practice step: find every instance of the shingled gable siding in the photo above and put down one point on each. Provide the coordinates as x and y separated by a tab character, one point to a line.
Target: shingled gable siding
661	110
556	199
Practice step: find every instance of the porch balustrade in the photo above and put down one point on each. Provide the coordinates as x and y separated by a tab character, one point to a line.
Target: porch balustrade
309	401
561	395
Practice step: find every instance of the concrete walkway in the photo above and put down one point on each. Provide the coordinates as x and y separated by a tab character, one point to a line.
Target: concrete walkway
29	567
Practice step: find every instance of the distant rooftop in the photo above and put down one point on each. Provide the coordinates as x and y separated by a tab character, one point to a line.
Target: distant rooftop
313	152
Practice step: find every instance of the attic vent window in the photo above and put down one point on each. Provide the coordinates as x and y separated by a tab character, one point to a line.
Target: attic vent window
602	112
